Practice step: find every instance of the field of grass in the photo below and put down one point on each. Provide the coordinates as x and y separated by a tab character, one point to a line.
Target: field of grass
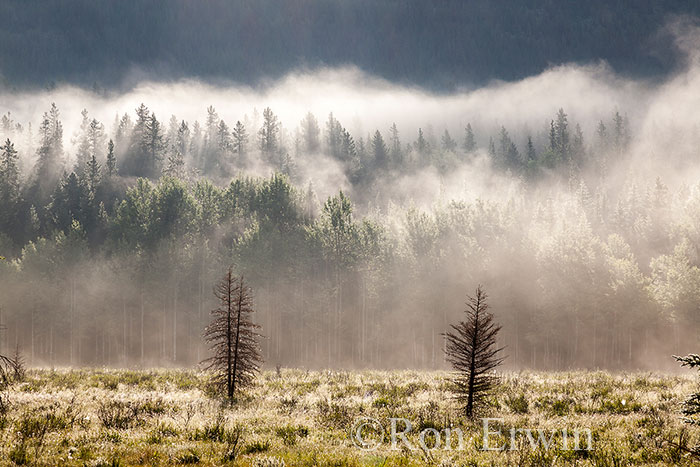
304	418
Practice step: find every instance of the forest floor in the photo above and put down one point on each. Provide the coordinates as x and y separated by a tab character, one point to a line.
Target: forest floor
306	418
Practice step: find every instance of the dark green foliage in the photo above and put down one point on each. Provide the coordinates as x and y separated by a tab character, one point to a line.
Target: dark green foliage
691	408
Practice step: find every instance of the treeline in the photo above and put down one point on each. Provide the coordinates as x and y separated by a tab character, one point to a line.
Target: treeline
111	253
49	187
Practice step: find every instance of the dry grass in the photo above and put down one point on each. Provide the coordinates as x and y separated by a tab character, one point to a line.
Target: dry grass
166	417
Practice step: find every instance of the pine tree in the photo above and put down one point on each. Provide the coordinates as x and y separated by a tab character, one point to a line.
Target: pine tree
233	336
471	349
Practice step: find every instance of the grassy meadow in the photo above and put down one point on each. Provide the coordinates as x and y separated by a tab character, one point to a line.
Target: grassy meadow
99	417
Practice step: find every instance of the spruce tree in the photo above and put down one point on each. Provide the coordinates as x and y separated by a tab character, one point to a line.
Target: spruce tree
469	141
691	407
472	351
111	159
269	134
233	337
240	140
379	150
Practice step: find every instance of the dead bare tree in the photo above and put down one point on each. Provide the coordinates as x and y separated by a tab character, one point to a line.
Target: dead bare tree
233	337
472	351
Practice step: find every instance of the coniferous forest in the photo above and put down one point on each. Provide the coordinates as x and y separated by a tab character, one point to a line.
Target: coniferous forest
113	237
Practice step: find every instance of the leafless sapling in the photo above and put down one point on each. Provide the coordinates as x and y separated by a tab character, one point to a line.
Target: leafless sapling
471	349
233	336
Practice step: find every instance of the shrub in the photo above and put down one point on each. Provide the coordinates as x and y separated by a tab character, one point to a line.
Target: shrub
269	462
256	447
190	457
517	404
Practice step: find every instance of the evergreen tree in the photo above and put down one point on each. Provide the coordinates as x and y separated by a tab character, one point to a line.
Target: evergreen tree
691	407
469	141
530	157
153	146
422	148
333	136
182	140
268	133
83	153
233	337
175	165
223	138
448	144
311	134
492	149
395	146
9	188
240	141
621	132
379	150
348	152
562	146
508	156
50	154
92	175
9	173
111	165
136	160
471	349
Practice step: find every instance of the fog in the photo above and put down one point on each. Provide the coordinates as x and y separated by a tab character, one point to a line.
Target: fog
591	264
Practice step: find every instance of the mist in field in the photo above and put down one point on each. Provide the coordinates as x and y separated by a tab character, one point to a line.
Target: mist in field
362	214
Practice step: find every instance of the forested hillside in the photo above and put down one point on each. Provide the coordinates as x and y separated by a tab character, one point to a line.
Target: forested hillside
441	45
112	241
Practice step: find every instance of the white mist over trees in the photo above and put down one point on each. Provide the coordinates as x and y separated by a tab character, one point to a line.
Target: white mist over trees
359	231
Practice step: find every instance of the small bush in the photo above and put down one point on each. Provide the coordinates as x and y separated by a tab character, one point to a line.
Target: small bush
123	415
269	462
517	404
190	457
256	447
333	415
290	433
